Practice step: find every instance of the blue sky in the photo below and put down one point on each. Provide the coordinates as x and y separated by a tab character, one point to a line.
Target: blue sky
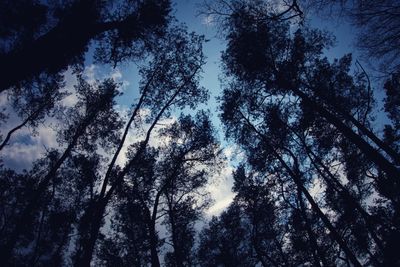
26	147
186	11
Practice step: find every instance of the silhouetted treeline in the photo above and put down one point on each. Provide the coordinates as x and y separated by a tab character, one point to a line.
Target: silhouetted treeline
317	185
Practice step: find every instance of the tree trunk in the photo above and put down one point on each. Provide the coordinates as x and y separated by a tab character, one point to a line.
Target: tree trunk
382	145
84	256
364	146
34	202
155	262
177	251
297	180
331	182
317	253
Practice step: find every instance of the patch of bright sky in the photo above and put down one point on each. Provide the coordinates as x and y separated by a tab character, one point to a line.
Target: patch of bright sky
186	11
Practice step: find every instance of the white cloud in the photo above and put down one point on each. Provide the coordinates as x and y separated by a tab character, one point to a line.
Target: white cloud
70	81
234	154
90	73
208	20
24	147
93	73
116	75
220	188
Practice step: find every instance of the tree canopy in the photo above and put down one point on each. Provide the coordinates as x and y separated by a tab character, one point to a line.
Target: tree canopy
315	180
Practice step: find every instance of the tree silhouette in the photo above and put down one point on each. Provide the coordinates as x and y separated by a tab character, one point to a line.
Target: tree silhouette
93	114
164	185
49	42
315	182
282	93
376	23
176	84
224	241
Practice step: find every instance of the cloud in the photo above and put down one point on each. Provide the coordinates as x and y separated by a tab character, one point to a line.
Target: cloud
70	81
93	73
208	20
220	188
90	73
25	147
116	75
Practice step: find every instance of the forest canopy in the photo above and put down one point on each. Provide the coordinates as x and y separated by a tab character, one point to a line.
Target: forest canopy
96	170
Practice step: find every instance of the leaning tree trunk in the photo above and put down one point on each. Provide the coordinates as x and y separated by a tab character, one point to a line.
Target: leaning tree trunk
317	253
370	152
34	202
297	180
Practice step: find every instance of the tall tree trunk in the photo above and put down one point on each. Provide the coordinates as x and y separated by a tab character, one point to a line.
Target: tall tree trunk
336	236
370	152
316	251
125	134
34	202
88	242
175	243
155	262
297	180
382	145
338	187
106	196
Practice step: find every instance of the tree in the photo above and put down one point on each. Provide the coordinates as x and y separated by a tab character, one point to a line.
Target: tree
167	184
266	228
91	121
48	42
192	162
285	63
174	82
277	82
377	24
225	242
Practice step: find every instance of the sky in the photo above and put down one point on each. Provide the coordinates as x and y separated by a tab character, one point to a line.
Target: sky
28	145
25	147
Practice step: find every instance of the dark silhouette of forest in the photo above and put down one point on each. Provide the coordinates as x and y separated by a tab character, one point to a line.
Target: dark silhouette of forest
319	182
